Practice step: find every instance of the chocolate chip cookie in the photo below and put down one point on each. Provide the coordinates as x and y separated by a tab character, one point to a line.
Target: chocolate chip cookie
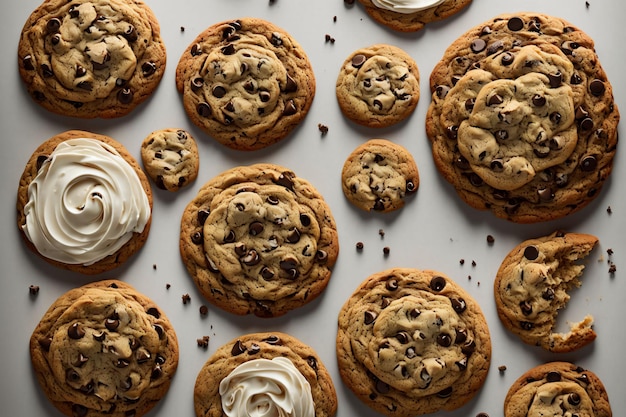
247	83
412	342
83	202
532	285
378	86
104	349
170	157
259	240
379	175
522	120
264	374
91	58
557	389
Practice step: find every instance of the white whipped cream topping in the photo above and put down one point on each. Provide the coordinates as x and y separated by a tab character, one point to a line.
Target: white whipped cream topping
85	203
406	6
266	388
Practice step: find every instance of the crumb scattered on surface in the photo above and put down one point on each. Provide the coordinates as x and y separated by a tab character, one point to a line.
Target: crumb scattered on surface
609	210
203	342
502	368
473	263
204	310
33	289
359	246
490	239
381	232
186	298
386	250
168	286
612	268
322	128
334	18
462	261
154	266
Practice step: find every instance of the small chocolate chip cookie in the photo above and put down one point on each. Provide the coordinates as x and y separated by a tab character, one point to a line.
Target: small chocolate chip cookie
259	240
104	349
522	120
91	58
557	389
170	157
412	342
379	175
270	372
247	83
378	86
532	285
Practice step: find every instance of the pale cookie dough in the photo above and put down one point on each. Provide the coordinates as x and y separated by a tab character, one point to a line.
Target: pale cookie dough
378	86
557	389
379	175
412	342
104	349
532	285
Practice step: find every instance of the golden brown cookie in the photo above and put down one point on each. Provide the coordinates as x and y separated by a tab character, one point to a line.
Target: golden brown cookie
104	349
91	58
532	286
412	342
264	374
247	83
83	202
259	240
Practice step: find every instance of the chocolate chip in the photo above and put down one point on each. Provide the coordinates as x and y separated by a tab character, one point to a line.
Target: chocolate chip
291	86
286	180
469	347
515	24
597	87
586	124
573	398
293	236
588	163
555	79
555	117
125	95
369	317
494	100
241	249
197	238
445	393
53	25
458	304
321	256
219	91
452	132
402	337
548	294
460	336
531	252
27	62
256	228
438	283
478	45
196	84
391	284
526	308
545	194
494	47
76	331
154	312
553	376
230	237
526	325
272	340
33	289
228	49
252	258
444	340
410	186
358	60
507	59
497	165
538	100
276	39
442	91
79	410
238	348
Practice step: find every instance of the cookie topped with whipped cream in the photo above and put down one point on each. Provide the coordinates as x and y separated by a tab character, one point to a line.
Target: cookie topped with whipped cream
83	202
411	15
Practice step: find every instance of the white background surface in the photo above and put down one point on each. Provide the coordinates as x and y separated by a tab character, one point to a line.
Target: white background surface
433	231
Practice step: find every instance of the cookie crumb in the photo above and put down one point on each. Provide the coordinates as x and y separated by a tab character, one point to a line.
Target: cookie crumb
204	310
329	38
587	4
386	250
168	286
186	298
203	342
609	251
154	266
182	28
33	289
473	263
381	233
462	261
469	277
322	128
334	18
609	210
502	368
490	239
612	268
359	246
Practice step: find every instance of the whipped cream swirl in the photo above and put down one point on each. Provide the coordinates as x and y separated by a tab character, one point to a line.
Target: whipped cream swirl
406	6
85	203
266	388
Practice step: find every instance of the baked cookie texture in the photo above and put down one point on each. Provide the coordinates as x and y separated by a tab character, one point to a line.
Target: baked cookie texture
557	388
532	285
378	86
91	58
83	202
379	175
412	342
104	349
264	371
522	120
397	15
170	158
259	240
246	83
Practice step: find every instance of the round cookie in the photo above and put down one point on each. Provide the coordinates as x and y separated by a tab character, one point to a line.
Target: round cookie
91	58
522	120
259	240
378	86
412	342
411	16
557	389
104	349
170	157
532	285
83	202
273	372
379	175
247	83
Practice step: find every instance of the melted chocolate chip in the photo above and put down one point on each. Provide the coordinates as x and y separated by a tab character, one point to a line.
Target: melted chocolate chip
369	317
458	304
444	340
272	340
539	100
553	376
290	108
197	238
437	283
286	180
573	398
526	308
597	87
507	59
555	79
219	91
53	25
391	284
445	393
531	252
588	163
238	348
358	60
515	24
75	331
290	86
125	95
478	45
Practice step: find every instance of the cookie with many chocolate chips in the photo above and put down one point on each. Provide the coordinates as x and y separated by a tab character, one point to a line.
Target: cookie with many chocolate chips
104	349
378	86
522	120
532	285
91	58
412	342
264	374
557	389
259	240
247	83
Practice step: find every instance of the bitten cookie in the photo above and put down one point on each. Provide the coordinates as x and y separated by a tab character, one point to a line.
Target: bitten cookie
532	285
557	389
379	175
411	15
83	202
259	240
170	157
247	83
522	120
378	86
91	58
412	342
104	350
264	374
